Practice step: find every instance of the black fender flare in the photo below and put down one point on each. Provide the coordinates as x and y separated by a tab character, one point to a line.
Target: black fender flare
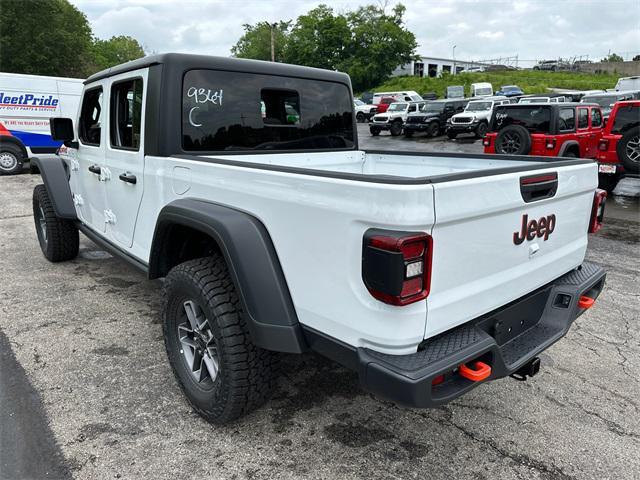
56	180
568	144
253	263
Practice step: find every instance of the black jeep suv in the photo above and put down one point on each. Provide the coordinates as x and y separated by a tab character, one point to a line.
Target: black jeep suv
432	117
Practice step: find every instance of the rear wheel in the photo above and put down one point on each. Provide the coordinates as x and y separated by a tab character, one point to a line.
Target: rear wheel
570	154
59	239
396	128
11	159
433	129
628	150
222	373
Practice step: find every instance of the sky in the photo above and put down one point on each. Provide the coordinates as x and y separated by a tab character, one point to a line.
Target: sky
479	29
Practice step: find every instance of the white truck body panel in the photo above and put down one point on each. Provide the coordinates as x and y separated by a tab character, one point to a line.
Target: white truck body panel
28	101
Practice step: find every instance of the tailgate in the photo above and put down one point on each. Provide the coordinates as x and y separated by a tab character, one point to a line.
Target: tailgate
478	264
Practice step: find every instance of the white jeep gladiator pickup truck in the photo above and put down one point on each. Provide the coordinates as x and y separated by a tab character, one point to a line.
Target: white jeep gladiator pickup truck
241	183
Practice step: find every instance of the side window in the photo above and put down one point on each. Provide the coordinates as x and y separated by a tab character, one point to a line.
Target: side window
89	126
583	118
281	107
567	119
596	118
126	114
412	107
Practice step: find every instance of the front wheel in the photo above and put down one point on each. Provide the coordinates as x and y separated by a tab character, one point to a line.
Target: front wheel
481	130
59	238
360	117
374	131
396	128
11	159
222	373
433	129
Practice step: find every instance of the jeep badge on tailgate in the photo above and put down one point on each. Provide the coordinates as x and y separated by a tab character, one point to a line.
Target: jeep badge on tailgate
535	228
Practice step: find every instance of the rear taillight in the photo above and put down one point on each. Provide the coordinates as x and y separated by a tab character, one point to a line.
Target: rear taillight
550	143
396	266
486	141
603	145
597	212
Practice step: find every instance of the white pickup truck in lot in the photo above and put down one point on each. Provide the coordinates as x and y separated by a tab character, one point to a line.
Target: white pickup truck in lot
241	183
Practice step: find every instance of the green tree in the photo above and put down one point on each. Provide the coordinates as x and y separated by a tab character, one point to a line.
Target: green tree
319	39
380	42
43	37
614	57
636	58
116	50
255	43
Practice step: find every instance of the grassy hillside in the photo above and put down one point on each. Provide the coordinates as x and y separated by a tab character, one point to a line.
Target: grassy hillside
530	81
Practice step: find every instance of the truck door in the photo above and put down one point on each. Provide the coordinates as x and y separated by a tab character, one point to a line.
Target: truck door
87	174
595	119
125	154
583	133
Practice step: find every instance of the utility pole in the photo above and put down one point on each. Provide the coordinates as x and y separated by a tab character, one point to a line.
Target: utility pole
273	42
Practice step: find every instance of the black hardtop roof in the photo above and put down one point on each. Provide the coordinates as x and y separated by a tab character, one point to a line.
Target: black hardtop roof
445	100
184	62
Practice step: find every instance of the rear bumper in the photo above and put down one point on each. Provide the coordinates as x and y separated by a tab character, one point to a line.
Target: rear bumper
506	339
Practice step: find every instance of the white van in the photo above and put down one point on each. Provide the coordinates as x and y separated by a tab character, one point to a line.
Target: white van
404	96
628	83
26	104
482	89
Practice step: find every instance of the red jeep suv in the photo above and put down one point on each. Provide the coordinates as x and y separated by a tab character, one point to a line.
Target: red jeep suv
619	147
545	129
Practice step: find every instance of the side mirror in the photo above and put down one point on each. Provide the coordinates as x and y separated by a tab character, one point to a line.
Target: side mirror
62	131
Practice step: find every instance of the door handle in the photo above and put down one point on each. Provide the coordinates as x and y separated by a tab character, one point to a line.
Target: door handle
95	169
128	177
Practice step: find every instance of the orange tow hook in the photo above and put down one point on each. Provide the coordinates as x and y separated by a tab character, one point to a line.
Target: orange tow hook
479	372
586	302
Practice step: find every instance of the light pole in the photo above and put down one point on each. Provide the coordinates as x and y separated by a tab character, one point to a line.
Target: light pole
273	42
453	53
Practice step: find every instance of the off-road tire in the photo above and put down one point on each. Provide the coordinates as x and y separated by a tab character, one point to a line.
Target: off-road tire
515	133
570	154
360	118
246	373
629	143
433	129
374	131
452	135
481	130
13	157
59	238
396	128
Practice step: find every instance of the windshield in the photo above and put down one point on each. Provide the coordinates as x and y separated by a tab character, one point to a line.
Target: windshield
509	88
242	111
534	100
534	119
602	101
484	91
478	106
432	108
358	103
397	107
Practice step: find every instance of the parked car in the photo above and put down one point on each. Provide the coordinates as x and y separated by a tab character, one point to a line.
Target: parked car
431	118
455	91
551	65
628	83
363	111
429	96
425	288
399	96
510	91
393	119
608	100
26	104
482	89
384	103
619	146
545	130
475	117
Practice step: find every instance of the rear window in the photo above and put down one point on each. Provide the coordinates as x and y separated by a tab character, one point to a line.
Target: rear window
536	120
627	117
226	111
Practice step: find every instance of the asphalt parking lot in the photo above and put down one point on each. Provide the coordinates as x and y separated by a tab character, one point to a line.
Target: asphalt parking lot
84	379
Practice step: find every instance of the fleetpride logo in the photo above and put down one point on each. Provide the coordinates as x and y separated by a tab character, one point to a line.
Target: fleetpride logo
28	100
